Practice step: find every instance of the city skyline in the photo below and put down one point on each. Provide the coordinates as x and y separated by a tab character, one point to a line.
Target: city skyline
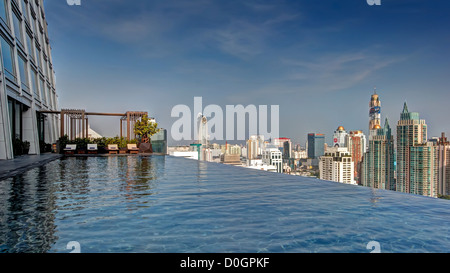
318	61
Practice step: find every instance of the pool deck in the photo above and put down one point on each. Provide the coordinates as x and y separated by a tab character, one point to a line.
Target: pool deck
22	163
9	168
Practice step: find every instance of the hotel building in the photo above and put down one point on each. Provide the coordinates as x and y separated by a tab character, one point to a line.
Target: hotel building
443	153
337	165
356	144
27	80
377	166
423	169
411	131
273	156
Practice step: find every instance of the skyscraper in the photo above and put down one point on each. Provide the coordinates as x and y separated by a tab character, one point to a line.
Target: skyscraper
377	167
356	144
411	131
337	165
374	113
316	144
255	146
443	153
27	82
339	137
423	169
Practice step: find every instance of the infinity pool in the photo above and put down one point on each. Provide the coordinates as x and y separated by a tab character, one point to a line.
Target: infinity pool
168	204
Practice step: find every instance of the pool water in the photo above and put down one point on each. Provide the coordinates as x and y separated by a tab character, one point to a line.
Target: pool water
167	204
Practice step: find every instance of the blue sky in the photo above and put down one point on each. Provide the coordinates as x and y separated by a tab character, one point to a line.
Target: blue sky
318	60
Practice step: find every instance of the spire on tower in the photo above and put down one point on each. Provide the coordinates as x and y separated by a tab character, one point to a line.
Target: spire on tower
405	108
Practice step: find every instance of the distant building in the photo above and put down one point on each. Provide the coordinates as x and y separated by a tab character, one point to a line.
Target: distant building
443	153
316	144
374	113
337	165
273	156
356	144
411	131
423	169
279	142
339	137
377	167
287	149
255	145
231	159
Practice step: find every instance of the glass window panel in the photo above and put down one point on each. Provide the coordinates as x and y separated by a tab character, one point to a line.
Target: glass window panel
18	28
8	59
4	11
34	83
25	11
30	46
41	86
23	73
47	92
38	56
18	120
11	116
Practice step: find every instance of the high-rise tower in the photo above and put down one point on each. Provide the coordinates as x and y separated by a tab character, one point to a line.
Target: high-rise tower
377	170
27	79
411	131
374	113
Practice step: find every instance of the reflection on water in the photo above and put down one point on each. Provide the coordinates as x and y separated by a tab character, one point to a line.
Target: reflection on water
31	202
168	204
27	212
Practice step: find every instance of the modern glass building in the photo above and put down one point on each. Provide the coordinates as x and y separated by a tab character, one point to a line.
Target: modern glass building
411	131
316	143
378	162
27	80
423	165
356	144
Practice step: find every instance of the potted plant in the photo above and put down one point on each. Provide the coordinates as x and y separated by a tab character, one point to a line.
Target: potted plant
122	144
25	147
145	128
81	145
17	146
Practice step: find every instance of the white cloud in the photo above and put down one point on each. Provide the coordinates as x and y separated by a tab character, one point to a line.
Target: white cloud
337	71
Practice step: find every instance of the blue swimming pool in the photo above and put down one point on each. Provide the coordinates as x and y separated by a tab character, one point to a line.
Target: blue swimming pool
168	204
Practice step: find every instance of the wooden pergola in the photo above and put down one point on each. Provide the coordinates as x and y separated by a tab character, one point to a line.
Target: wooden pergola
75	122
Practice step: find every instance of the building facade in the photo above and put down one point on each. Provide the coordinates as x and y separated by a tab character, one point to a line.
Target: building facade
337	165
411	131
443	153
377	167
273	156
356	144
423	169
339	137
374	113
27	80
316	145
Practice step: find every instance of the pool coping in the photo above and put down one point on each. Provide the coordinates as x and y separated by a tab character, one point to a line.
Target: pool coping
20	164
12	167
